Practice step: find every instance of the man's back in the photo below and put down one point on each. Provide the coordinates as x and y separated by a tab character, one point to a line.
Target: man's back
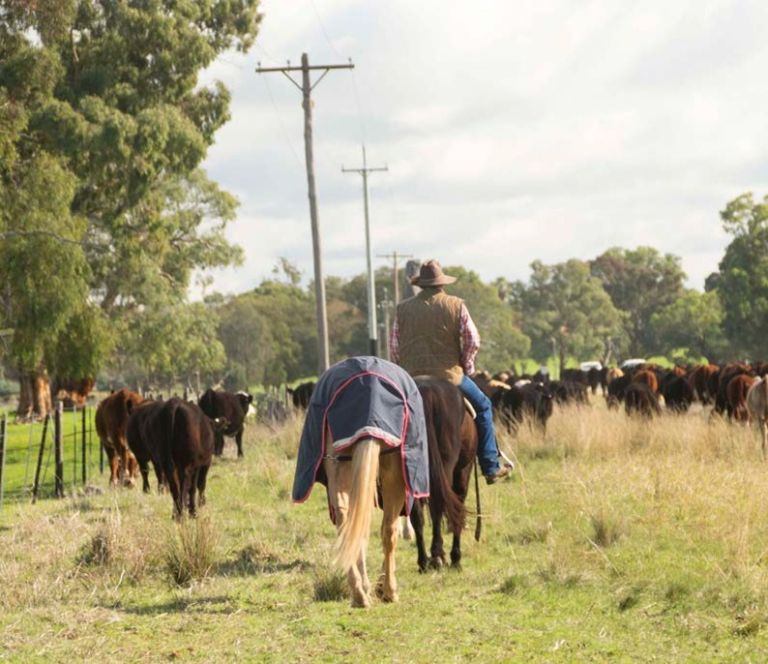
429	327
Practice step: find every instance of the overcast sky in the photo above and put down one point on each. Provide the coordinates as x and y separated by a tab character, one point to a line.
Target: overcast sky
513	130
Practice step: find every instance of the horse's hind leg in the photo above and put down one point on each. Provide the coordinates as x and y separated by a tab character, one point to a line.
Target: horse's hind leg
461	487
339	474
417	520
393	495
438	553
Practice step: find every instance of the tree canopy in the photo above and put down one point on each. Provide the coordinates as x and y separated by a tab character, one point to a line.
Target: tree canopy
104	128
742	284
639	282
566	312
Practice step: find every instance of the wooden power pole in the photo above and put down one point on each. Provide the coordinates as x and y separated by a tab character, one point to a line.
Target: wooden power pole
372	326
306	88
395	258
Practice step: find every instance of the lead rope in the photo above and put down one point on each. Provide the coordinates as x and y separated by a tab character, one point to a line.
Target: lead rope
479	518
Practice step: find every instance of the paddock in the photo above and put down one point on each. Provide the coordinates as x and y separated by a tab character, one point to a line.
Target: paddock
617	537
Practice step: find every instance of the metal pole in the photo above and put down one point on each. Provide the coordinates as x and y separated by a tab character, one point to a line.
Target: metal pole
36	484
395	280
58	452
322	313
3	454
372	332
372	325
385	306
83	436
395	272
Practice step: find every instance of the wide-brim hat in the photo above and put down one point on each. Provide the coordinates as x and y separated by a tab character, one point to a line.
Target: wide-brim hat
431	274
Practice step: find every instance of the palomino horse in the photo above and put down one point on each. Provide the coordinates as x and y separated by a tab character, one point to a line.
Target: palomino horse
352	481
452	439
364	425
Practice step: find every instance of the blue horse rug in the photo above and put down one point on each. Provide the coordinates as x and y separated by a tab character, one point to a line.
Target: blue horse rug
364	397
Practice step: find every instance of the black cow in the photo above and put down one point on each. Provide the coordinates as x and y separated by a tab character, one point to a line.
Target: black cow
142	421
532	401
566	391
677	393
641	399
178	437
616	389
302	394
231	407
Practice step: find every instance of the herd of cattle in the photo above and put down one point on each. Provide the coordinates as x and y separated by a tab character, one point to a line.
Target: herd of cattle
738	391
179	438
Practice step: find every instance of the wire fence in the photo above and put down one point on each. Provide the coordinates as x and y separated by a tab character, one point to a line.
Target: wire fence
49	458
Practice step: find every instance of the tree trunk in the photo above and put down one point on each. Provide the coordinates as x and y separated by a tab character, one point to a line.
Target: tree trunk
35	394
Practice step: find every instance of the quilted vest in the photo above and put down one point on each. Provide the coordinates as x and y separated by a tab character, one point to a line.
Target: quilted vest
430	337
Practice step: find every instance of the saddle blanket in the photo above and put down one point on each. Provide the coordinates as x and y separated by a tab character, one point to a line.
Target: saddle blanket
364	397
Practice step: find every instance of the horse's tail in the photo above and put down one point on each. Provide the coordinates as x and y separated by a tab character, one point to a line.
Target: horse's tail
362	499
441	494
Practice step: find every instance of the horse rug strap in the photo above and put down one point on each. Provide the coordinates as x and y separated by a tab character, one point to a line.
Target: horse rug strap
470	408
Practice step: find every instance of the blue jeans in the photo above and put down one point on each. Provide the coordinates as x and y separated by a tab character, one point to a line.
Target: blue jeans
487	450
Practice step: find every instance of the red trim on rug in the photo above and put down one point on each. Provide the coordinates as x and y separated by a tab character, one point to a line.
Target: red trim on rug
326	427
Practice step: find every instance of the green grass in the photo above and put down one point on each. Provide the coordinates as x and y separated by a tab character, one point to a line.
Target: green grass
24	446
624	542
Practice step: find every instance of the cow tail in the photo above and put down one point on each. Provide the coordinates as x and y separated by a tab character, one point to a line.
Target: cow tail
362	500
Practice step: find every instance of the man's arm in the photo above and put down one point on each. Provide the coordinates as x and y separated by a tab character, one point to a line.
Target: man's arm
394	343
470	341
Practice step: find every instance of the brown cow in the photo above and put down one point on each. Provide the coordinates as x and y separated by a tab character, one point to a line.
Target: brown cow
699	379
757	405
736	397
111	425
647	377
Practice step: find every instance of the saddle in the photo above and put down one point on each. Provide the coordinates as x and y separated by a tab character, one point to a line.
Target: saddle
470	409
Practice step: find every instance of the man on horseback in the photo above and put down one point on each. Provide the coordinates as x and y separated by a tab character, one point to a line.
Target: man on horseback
434	335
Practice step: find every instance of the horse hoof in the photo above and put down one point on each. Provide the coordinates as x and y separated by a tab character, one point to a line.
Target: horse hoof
423	568
361	603
456	566
436	563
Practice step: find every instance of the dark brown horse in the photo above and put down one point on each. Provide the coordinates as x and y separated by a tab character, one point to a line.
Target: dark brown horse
452	437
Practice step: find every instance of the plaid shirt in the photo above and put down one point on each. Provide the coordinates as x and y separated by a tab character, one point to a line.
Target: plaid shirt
470	342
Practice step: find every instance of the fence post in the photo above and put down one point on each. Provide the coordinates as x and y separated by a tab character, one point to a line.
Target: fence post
39	467
85	419
58	452
3	454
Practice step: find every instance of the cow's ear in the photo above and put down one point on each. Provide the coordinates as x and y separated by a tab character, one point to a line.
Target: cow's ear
250	398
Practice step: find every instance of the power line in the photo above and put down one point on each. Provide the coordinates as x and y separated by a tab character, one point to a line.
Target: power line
355	90
283	128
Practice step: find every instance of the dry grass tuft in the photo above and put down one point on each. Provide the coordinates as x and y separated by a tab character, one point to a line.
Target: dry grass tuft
329	585
190	550
534	533
102	549
607	528
512	585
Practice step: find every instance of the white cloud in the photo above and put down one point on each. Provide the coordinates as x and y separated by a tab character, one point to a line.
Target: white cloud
513	130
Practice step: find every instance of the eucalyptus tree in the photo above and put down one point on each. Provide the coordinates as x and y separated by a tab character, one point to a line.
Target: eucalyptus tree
105	209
